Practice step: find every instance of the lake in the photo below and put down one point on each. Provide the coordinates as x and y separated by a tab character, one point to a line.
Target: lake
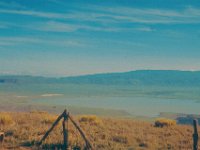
136	106
137	101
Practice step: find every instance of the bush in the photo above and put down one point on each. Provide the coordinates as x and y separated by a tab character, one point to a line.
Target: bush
90	119
5	119
161	122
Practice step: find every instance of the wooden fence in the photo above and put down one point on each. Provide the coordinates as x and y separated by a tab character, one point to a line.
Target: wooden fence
67	117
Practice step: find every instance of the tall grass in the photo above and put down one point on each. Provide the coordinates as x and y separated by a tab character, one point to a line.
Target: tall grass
26	129
5	119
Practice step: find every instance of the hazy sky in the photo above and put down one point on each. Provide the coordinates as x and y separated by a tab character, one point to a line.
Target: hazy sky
71	37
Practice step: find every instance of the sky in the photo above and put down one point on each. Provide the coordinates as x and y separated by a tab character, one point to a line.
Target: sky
75	37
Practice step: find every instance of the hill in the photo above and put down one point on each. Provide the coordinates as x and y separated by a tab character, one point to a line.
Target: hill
137	78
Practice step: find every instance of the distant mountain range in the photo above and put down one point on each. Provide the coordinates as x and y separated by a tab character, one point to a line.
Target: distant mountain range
139	78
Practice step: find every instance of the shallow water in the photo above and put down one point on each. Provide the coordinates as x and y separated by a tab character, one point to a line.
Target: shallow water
137	106
138	101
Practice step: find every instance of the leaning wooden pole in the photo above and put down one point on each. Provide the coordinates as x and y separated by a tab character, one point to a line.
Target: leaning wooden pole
88	145
52	127
66	117
195	135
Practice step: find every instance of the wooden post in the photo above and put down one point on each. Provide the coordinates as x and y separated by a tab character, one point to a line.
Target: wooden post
65	132
195	135
66	117
52	127
1	139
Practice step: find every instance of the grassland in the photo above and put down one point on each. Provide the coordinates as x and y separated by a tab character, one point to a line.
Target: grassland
23	130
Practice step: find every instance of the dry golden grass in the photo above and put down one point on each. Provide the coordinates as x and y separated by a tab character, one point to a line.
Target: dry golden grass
49	119
110	134
5	119
161	122
91	119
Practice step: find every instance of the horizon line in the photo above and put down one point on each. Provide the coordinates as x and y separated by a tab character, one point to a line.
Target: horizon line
97	73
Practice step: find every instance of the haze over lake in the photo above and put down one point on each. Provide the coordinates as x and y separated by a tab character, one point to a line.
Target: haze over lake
138	93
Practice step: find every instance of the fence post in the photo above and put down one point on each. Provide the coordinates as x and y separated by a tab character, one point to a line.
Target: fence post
65	115
1	139
65	132
52	127
195	135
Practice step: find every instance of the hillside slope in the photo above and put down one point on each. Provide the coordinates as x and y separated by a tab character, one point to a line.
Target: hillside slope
139	78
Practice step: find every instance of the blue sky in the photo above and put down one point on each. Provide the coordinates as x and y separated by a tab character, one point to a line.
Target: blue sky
72	37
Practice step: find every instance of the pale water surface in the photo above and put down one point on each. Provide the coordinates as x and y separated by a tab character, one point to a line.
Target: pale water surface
137	106
137	101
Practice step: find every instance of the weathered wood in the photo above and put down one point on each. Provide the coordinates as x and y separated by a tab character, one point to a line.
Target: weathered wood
1	137
65	117
52	127
88	145
195	135
65	132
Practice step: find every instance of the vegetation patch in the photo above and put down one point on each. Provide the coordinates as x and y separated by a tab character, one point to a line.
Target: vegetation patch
113	134
120	139
162	122
92	119
49	119
5	119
